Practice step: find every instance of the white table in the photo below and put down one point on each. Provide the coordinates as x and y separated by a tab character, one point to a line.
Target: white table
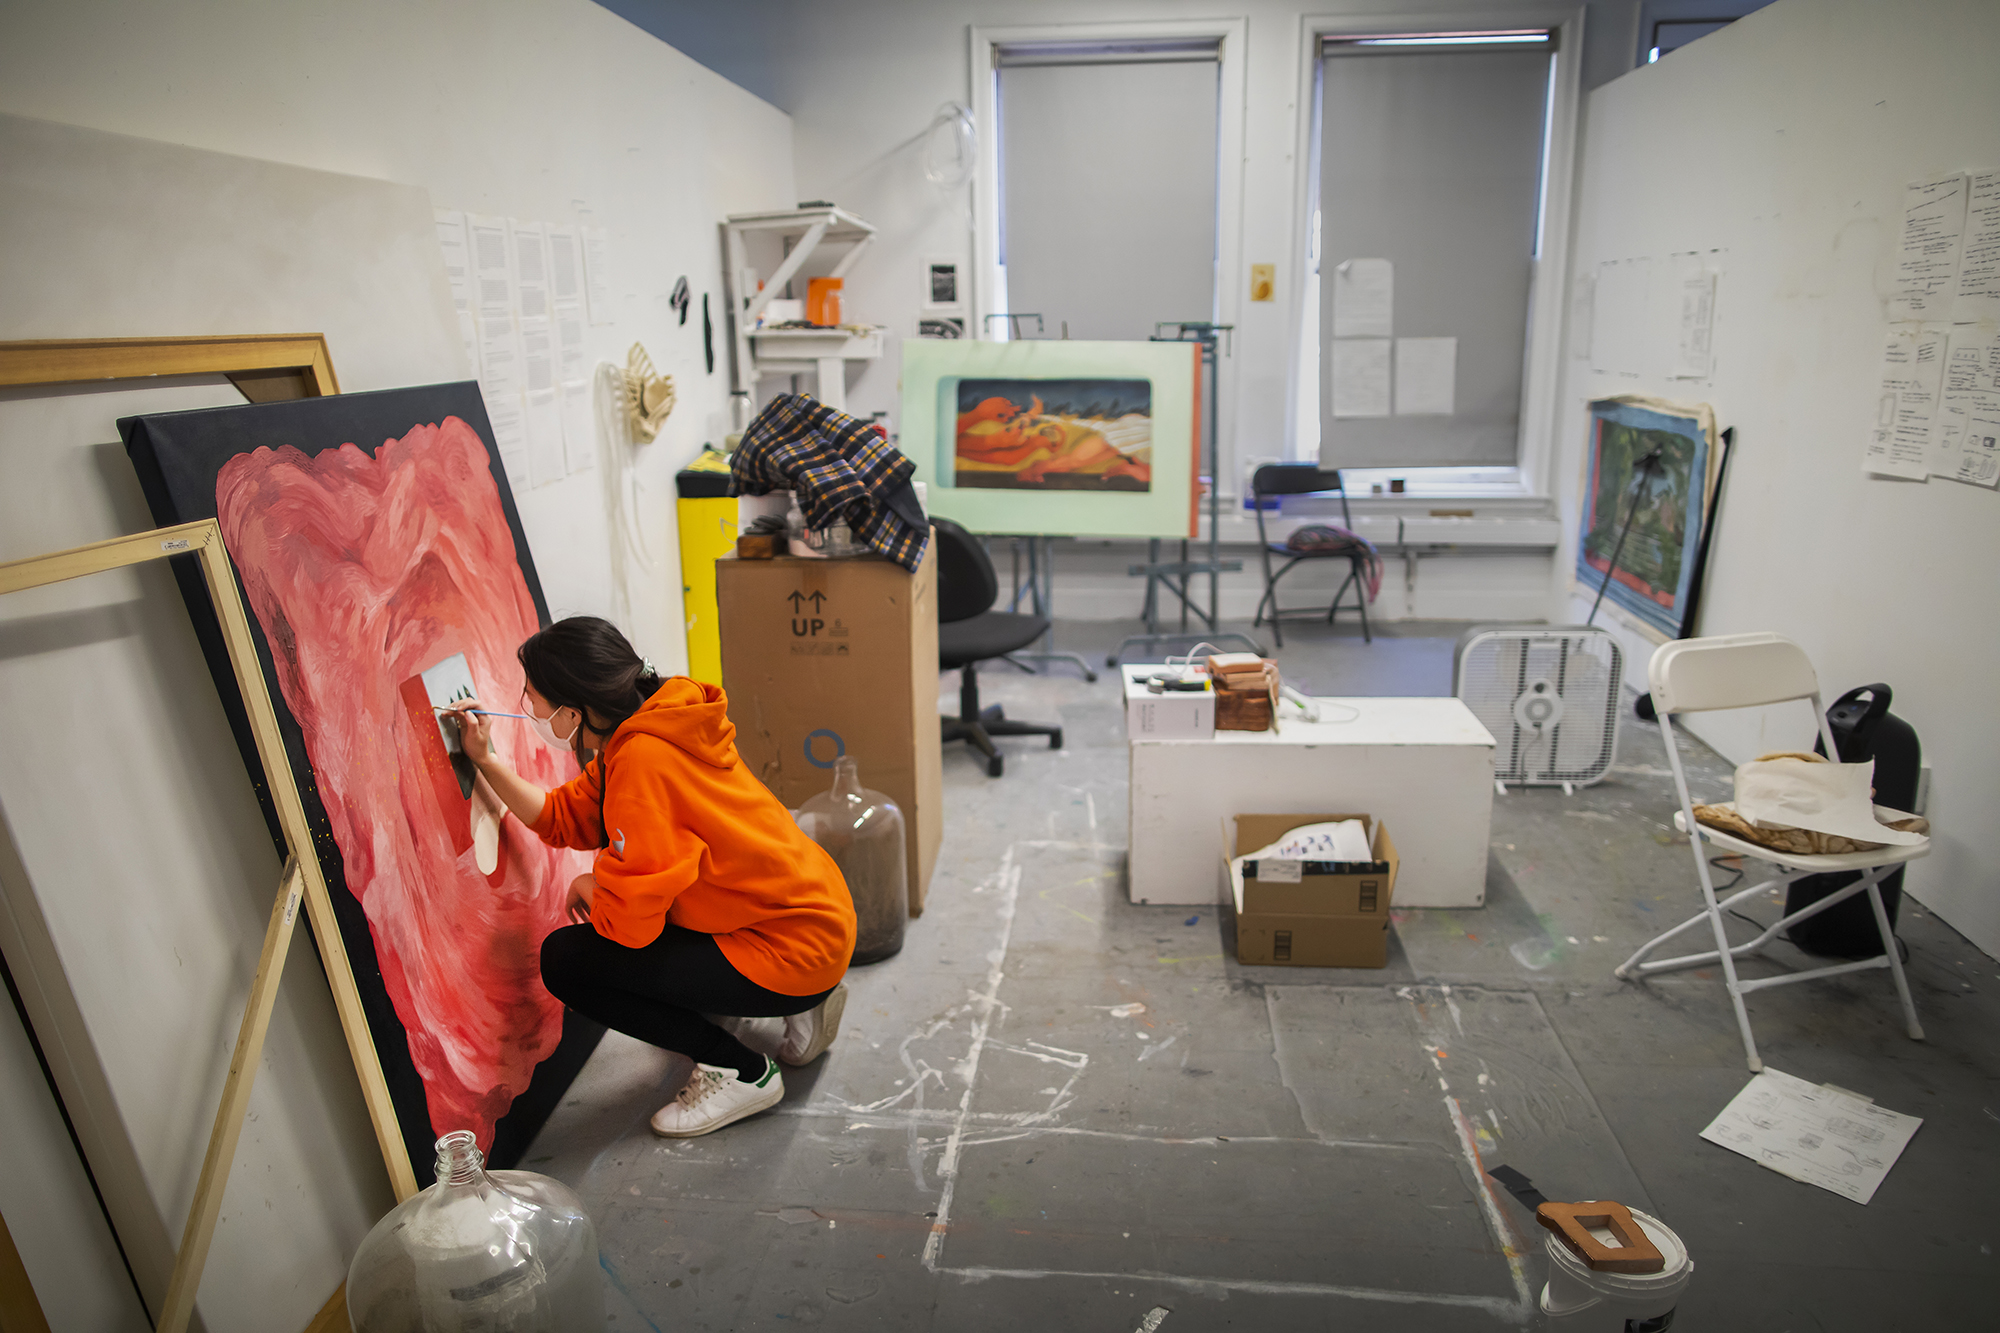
1423	766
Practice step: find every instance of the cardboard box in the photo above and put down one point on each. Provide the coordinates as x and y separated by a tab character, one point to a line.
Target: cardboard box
828	657
1311	913
1174	715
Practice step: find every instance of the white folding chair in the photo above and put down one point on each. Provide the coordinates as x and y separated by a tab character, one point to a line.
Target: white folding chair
1747	671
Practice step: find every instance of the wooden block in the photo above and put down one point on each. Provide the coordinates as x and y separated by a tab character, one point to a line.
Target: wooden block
1245	699
758	545
1635	1253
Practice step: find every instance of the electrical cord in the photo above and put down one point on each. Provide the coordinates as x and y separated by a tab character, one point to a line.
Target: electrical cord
1719	862
1642	468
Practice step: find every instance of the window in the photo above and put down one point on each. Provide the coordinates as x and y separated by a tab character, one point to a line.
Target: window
1107	184
1430	151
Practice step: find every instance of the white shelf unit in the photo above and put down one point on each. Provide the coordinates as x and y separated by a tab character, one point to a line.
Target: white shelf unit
822	352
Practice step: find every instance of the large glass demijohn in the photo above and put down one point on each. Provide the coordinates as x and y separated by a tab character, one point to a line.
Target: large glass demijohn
862	831
479	1252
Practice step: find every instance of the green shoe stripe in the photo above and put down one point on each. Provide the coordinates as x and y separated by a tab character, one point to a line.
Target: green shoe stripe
770	1072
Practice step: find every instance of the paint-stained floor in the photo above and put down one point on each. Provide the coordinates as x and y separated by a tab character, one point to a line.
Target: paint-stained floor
1057	1110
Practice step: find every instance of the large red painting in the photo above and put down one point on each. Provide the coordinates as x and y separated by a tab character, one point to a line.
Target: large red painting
386	573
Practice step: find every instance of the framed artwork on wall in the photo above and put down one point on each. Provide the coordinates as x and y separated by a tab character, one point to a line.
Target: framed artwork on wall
385	569
944	284
1053	437
1666	504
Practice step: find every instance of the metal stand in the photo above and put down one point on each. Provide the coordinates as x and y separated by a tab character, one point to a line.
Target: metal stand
1040	589
1174	575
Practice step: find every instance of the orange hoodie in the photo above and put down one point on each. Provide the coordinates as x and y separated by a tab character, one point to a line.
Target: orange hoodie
697	840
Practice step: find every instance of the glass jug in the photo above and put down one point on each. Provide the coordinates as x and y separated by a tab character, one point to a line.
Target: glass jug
862	831
479	1252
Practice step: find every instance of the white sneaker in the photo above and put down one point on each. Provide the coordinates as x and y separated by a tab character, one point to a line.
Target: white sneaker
807	1035
716	1097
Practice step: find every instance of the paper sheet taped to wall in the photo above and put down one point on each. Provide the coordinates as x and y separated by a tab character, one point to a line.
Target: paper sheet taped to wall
1979	263
1927	253
1361	377
1967	432
1906	410
1364	298
1426	377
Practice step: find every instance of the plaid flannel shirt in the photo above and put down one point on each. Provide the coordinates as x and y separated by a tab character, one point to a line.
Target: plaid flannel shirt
840	469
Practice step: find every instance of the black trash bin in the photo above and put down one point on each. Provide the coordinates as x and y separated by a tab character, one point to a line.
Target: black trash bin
1864	730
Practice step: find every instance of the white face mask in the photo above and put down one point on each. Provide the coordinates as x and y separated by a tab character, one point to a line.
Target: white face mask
546	729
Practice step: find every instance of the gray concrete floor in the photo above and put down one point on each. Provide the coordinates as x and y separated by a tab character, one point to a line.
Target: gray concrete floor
1055	1109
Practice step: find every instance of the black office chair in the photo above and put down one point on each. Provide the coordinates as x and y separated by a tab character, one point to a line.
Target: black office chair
971	632
1306	479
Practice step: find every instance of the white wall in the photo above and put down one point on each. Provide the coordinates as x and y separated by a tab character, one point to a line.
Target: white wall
123	794
1784	143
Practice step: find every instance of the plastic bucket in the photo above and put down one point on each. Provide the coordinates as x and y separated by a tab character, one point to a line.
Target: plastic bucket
1611	1302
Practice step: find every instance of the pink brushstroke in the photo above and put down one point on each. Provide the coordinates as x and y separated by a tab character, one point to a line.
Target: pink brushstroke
364	571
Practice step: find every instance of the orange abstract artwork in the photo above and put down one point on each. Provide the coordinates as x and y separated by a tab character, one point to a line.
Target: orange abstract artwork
1056	434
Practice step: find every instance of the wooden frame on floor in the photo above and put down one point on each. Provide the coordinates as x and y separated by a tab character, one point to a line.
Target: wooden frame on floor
299	880
265	368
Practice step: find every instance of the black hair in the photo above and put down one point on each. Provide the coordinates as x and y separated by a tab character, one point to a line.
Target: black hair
584	663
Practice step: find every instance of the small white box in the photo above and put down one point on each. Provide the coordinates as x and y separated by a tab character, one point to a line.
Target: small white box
1172	715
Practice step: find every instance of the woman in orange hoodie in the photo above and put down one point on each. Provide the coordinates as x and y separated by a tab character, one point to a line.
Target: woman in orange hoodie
705	897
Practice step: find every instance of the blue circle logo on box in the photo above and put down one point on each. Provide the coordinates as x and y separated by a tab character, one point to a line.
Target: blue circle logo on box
839	748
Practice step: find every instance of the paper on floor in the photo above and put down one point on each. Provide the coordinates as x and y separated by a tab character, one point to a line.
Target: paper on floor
1814	1132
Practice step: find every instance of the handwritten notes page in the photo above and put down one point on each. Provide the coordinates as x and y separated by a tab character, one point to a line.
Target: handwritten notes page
1938	409
1912	374
1967	432
1928	253
1816	1133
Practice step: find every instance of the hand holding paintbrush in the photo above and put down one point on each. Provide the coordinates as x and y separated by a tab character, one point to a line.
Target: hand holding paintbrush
475	733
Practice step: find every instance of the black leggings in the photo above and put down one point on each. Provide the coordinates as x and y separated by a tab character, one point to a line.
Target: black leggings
659	993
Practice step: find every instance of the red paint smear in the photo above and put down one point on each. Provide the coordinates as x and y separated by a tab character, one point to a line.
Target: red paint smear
364	571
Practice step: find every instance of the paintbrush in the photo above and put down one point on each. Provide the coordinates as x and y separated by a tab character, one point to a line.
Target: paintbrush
482	712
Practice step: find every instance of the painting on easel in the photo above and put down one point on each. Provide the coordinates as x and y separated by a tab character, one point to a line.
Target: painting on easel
1084	439
1063	434
383	562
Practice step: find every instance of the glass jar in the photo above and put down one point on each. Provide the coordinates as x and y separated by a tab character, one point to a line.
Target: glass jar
479	1252
862	831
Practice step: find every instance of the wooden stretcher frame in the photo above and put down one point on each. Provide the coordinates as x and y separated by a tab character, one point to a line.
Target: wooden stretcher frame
299	881
265	368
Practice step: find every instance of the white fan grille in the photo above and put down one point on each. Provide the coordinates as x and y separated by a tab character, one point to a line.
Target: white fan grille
1582	667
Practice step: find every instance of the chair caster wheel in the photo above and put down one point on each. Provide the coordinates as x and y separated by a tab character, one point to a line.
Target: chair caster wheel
993	766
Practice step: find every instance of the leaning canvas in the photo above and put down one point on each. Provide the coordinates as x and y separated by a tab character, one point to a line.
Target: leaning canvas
1665	507
383	562
1055	437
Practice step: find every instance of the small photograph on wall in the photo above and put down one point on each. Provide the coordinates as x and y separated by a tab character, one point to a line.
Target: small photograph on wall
943	284
941	327
386	574
1064	434
1664	504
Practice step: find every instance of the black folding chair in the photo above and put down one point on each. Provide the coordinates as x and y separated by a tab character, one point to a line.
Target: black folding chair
1305	479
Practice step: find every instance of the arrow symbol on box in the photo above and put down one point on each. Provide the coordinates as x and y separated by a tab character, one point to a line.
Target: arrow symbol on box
818	600
796	599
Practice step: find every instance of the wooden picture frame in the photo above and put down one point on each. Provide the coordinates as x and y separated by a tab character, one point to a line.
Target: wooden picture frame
265	368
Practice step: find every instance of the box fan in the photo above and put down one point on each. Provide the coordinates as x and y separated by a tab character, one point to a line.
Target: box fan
1550	696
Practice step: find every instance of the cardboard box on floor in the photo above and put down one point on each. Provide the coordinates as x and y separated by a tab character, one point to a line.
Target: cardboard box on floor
1329	915
828	657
